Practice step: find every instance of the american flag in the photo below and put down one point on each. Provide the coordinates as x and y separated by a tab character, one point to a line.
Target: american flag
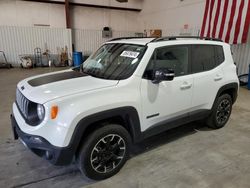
227	20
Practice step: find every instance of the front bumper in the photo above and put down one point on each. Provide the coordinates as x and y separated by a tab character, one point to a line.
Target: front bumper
41	147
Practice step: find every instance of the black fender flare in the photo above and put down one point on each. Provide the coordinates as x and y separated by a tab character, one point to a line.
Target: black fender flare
128	113
233	86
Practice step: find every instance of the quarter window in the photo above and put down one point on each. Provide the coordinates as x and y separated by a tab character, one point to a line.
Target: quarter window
219	55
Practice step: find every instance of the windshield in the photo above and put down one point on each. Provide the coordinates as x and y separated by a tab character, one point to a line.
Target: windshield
114	61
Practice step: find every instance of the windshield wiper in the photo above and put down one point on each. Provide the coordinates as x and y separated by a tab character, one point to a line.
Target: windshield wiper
92	74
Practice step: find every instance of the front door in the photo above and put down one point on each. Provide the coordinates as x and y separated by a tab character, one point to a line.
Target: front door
167	100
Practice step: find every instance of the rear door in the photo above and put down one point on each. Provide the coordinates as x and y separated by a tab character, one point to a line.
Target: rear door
207	74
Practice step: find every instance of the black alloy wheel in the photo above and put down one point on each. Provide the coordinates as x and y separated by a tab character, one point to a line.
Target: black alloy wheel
104	152
108	153
221	112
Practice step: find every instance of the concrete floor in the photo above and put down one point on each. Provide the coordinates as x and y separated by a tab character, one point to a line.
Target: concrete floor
189	156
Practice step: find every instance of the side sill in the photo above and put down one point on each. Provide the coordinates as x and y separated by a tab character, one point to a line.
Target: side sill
175	122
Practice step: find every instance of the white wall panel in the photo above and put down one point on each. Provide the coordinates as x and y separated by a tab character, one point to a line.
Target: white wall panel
15	41
241	55
24	13
194	31
96	19
172	14
22	40
87	41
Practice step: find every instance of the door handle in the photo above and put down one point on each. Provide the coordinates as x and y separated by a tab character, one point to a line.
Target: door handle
186	85
218	77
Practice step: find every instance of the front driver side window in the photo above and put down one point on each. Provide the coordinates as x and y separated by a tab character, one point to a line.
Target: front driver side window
174	57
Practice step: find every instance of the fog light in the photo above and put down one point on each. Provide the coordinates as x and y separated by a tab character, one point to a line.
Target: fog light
48	155
36	140
23	143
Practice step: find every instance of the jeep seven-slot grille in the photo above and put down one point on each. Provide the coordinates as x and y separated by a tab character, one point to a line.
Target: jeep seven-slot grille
22	103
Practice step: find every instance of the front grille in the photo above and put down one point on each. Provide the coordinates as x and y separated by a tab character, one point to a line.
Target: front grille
22	103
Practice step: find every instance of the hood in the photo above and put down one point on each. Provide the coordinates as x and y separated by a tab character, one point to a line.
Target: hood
46	87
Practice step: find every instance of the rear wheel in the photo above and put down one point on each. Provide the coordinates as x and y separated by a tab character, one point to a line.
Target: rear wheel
104	152
221	112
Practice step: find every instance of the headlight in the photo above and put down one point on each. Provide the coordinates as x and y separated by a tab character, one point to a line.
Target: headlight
40	111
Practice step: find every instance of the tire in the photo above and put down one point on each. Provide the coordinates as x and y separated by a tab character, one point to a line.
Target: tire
221	112
104	152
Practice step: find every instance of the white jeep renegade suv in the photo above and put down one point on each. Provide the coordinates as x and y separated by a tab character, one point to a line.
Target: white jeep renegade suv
128	90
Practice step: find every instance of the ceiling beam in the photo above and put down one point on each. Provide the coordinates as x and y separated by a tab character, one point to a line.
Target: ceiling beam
86	5
67	14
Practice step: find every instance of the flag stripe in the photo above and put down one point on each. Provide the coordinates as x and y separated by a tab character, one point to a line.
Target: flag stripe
207	20
244	14
228	20
238	22
246	27
228	15
220	19
230	23
223	19
204	18
213	17
210	17
216	18
233	28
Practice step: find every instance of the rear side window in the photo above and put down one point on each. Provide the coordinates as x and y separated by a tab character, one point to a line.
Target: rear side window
206	57
203	58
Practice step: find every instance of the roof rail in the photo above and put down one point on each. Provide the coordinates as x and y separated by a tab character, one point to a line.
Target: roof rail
122	38
184	37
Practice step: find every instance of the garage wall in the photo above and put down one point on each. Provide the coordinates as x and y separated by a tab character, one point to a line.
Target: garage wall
16	40
19	33
92	18
22	13
23	40
241	55
172	15
87	41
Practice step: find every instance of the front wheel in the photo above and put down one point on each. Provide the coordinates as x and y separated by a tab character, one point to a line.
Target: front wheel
221	112
104	152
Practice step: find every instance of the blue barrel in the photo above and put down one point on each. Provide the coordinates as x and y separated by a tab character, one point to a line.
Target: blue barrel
77	56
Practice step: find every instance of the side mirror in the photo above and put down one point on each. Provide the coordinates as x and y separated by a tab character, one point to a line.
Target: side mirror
163	75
